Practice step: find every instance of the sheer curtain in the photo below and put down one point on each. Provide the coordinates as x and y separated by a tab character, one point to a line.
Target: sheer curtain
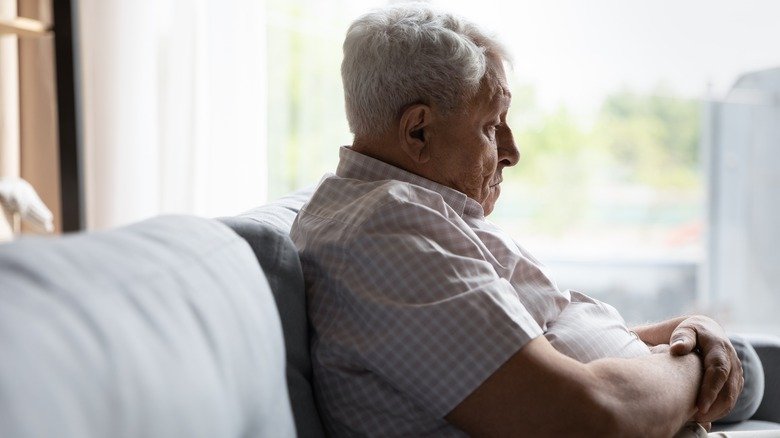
9	111
174	107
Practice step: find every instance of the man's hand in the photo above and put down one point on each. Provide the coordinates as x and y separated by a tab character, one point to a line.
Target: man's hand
723	380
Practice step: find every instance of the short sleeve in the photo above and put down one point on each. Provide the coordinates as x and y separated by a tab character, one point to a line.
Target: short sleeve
434	317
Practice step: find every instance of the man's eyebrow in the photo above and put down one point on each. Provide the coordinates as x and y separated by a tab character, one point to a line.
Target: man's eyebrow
502	93
501	98
505	96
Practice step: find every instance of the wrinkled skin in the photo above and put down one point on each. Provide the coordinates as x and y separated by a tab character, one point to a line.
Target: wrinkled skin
472	147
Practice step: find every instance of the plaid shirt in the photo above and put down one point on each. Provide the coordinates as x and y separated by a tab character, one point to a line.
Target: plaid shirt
415	299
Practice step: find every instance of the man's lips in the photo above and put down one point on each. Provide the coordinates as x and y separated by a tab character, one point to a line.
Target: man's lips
497	182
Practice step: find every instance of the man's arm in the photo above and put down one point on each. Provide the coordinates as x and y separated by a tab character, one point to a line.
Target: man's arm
541	392
658	332
723	379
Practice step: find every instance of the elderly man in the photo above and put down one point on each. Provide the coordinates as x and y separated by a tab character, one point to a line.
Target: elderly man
428	320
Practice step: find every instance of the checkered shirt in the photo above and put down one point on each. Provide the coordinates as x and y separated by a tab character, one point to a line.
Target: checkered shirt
415	299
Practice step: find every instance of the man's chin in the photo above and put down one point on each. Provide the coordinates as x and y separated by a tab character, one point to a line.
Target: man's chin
490	202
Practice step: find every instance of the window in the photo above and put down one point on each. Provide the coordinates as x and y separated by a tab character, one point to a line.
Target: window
612	112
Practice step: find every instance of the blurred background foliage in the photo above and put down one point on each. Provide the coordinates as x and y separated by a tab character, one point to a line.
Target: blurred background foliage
610	190
638	160
630	171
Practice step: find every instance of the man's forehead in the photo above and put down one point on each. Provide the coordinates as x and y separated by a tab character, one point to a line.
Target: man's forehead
497	86
494	94
501	96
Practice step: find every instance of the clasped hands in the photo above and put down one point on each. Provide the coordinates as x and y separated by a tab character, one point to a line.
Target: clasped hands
723	380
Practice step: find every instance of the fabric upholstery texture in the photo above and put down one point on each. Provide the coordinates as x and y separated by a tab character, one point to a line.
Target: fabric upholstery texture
266	229
281	213
768	349
165	328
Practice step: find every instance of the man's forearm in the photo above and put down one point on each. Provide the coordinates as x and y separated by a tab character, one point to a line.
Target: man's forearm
652	395
659	332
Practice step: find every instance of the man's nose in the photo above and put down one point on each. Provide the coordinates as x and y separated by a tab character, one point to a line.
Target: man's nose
508	154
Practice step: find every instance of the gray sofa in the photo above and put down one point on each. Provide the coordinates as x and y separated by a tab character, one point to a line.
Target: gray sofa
170	328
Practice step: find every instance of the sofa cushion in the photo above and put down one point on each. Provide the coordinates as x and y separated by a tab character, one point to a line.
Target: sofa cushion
749	425
266	229
281	213
165	328
768	349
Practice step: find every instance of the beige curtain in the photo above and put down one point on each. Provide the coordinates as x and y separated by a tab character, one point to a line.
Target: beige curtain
38	111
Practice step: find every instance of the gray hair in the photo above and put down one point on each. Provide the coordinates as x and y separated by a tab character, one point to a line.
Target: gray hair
409	53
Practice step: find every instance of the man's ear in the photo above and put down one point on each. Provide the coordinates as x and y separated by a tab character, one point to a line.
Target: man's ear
413	132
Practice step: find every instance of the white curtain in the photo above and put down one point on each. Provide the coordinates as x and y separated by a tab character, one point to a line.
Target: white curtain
174	103
9	111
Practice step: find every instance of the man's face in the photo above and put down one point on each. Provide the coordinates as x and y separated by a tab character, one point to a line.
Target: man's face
472	147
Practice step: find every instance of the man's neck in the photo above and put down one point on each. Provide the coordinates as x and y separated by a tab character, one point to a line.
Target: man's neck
386	151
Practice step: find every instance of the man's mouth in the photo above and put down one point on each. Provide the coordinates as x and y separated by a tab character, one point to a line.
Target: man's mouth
496	183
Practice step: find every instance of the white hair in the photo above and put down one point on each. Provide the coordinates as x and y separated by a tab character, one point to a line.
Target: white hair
407	54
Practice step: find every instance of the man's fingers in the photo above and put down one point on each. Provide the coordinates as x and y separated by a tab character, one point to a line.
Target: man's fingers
722	368
660	349
716	373
683	340
728	395
726	399
723	380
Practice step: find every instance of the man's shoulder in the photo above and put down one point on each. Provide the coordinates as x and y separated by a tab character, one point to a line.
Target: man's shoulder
352	201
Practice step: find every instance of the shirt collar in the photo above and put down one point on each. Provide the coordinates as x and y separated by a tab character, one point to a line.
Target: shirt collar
358	166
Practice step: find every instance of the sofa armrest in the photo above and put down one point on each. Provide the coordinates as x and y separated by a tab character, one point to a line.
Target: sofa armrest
768	349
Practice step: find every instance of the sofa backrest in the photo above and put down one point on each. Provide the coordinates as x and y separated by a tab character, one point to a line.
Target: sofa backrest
165	328
767	348
266	229
280	213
